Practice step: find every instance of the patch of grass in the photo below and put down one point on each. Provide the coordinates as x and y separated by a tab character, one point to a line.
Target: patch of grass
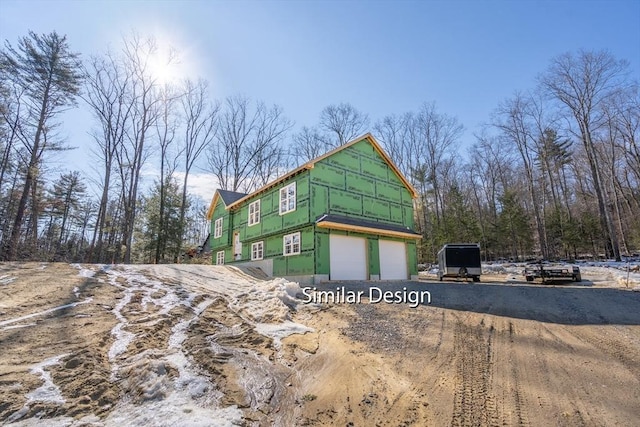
309	397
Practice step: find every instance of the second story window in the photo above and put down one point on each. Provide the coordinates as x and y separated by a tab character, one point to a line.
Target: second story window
217	228
288	198
254	212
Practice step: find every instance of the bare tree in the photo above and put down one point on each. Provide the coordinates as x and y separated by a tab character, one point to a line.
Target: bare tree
393	134
201	120
245	137
582	84
107	94
438	135
48	72
515	120
146	100
10	114
342	123
166	127
308	144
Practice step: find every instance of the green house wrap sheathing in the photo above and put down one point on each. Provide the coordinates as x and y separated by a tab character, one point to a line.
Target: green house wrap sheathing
354	191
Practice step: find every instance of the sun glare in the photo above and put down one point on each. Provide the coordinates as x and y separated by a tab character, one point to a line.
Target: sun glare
170	62
164	66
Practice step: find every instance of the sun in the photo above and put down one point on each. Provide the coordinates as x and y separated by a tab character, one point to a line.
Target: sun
166	56
164	65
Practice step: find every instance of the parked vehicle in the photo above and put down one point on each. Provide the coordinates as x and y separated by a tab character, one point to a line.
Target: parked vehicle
545	271
460	260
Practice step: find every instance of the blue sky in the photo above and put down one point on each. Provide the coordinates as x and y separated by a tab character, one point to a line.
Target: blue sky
383	57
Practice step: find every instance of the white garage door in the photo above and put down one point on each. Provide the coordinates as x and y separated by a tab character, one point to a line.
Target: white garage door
348	258
393	260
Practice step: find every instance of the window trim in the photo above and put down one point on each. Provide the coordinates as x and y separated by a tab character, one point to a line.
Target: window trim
217	228
220	258
287	199
284	244
255	218
253	250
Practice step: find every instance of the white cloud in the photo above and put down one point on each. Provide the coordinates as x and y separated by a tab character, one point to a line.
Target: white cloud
202	184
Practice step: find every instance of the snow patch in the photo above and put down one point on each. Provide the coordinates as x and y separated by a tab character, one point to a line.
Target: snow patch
191	399
47	392
122	338
5	280
26	325
179	331
40	313
277	331
89	420
175	410
84	272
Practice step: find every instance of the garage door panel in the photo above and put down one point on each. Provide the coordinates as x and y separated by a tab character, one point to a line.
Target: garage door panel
347	257
393	260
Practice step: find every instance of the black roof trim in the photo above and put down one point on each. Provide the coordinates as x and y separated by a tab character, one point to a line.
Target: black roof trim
364	223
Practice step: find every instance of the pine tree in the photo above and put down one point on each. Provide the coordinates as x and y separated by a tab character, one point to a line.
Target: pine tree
514	225
155	233
48	74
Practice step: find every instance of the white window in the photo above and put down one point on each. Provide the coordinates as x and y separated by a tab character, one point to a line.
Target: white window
256	250
217	228
291	244
254	212
220	258
288	199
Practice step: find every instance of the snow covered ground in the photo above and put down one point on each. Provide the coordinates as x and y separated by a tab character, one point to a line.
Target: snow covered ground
201	345
605	273
166	385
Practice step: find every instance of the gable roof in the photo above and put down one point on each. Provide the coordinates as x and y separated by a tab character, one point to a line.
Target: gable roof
310	165
228	198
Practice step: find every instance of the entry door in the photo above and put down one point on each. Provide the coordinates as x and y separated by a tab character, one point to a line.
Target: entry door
393	260
237	246
348	258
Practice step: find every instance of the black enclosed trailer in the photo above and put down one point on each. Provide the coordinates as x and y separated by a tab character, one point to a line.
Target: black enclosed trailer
460	260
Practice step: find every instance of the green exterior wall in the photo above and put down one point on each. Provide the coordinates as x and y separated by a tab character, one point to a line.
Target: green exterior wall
354	182
357	182
224	240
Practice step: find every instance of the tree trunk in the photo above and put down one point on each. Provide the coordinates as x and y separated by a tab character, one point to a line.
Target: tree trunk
612	247
10	251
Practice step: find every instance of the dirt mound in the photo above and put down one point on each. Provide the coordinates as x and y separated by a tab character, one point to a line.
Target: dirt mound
205	345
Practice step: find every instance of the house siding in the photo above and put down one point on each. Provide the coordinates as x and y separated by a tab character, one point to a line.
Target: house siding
224	240
355	182
272	228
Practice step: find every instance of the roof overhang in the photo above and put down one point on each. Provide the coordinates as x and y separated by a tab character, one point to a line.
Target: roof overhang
337	222
212	206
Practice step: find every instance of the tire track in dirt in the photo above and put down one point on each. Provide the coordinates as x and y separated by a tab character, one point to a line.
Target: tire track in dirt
615	347
474	403
520	404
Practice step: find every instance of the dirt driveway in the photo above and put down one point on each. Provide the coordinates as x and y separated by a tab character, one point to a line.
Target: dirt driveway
187	345
494	354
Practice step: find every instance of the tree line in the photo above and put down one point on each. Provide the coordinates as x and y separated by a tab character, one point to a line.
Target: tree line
555	173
